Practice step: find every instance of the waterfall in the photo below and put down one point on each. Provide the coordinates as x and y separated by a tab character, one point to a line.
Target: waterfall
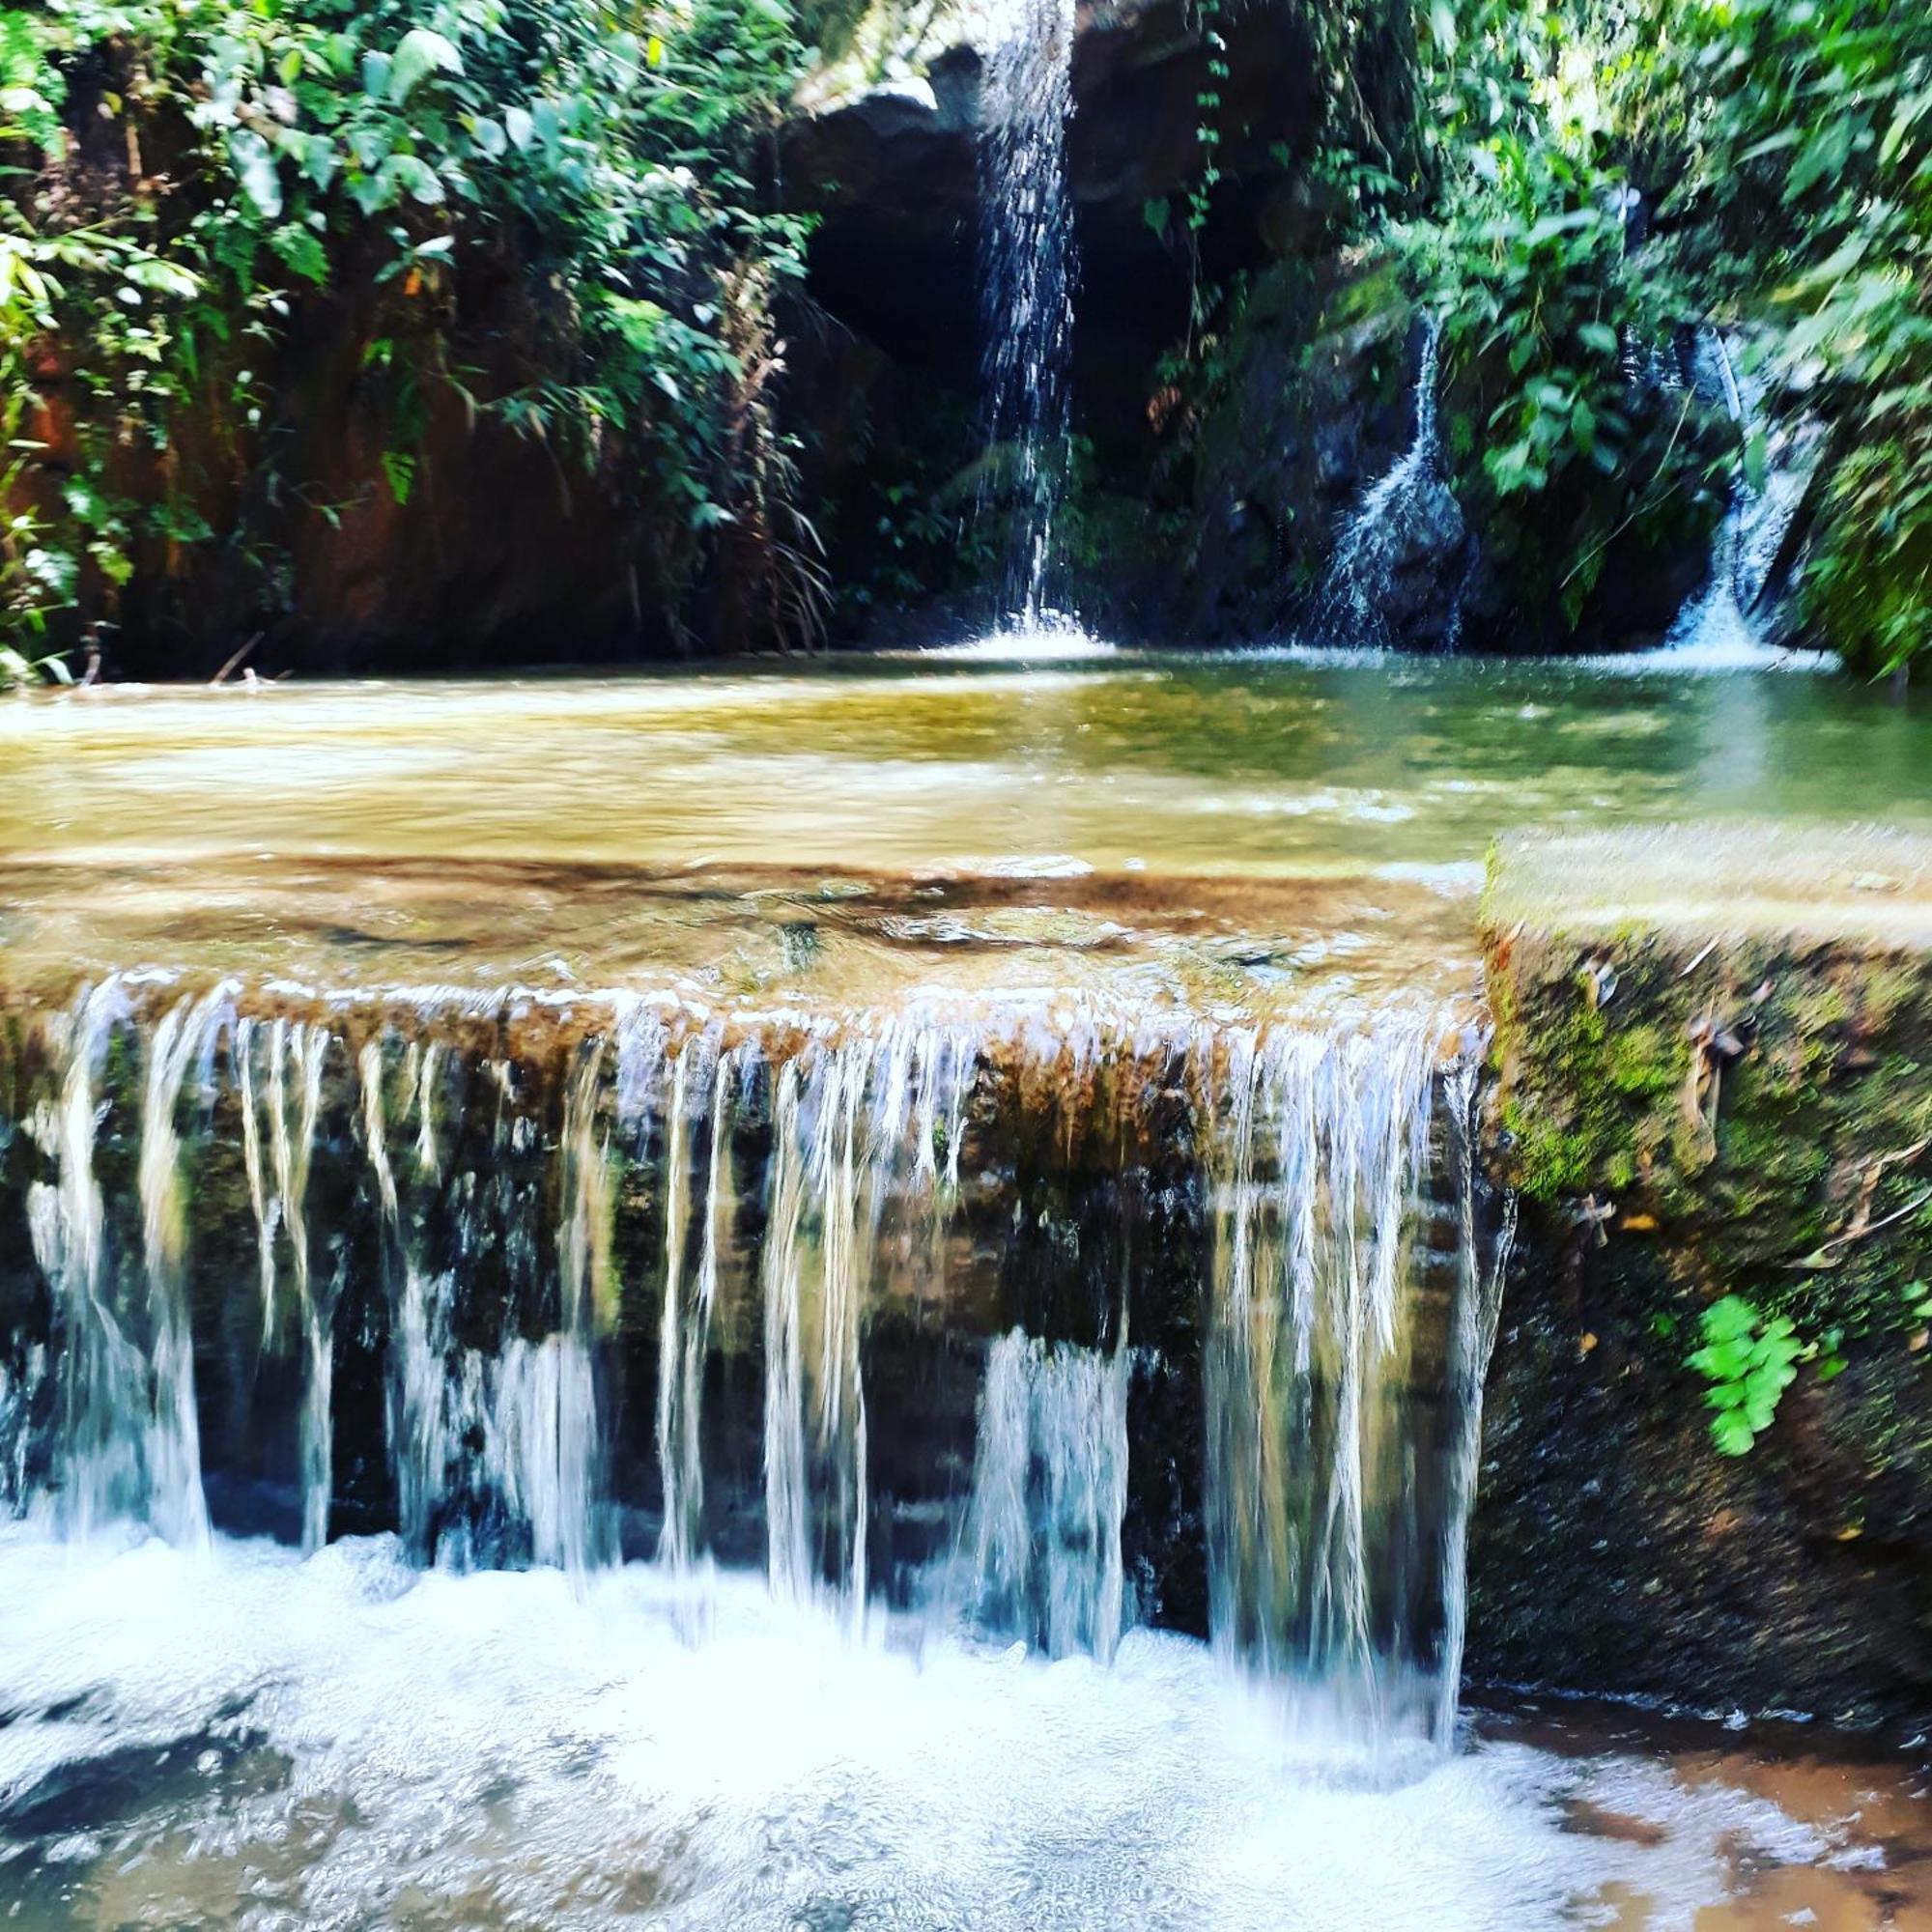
1719	623
1318	1539
847	1293
130	1440
1478	1309
1389	521
1026	277
1043	1540
685	1325
295	1048
856	1122
496	1448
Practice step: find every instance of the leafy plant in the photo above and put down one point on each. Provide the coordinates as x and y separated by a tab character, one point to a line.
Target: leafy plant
194	177
1749	1360
1597	175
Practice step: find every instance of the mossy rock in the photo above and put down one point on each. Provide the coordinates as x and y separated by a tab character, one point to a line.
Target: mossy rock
1712	1062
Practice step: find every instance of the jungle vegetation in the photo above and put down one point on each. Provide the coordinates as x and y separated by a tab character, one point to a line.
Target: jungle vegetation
558	213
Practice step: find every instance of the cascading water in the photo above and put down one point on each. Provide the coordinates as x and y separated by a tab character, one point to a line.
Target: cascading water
847	1298
1718	624
1399	516
1026	279
1333	1524
1041	1545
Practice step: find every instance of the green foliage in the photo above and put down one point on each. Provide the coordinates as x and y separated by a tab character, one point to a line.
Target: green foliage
398	157
1796	142
1517	238
1749	1360
1782	157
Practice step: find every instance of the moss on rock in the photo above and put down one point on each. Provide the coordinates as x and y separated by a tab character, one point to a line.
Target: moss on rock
1724	1099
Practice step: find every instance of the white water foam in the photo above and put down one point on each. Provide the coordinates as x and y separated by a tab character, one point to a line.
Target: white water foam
1048	640
356	1742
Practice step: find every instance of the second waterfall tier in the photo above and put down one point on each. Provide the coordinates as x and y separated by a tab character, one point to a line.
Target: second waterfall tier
1041	1320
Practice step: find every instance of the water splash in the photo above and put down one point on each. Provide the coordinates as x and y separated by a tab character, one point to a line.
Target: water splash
1026	277
1392	518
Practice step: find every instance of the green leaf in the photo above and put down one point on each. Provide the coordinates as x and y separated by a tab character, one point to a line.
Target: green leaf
255	169
1728	1319
163	278
400	469
415	177
301	250
1732	1434
420	53
1598	336
1723	1361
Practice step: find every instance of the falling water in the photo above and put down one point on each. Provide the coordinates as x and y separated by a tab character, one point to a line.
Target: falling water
277	1196
494	1447
1718	622
486	1233
685	1325
1472	1341
129	1441
1042	1541
1319	1542
1352	604
1026	277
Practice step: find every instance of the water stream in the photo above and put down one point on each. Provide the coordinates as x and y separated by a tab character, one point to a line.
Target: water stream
1027	274
1720	623
1353	606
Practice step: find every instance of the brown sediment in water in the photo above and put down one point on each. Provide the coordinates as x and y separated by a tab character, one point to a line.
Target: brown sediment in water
734	933
1869	1800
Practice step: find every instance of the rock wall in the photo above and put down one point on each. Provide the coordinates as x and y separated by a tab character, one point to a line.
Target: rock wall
1695	1106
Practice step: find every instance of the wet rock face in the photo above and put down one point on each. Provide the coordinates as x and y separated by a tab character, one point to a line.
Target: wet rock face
892	172
1319	404
1689	1121
891	175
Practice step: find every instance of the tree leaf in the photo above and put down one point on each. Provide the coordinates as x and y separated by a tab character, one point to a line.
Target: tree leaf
255	169
421	52
1732	1434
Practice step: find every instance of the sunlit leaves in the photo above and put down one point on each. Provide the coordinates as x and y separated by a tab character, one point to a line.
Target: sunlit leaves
421	52
312	143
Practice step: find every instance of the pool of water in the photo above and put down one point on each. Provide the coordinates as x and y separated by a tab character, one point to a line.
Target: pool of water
1245	765
1317	815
